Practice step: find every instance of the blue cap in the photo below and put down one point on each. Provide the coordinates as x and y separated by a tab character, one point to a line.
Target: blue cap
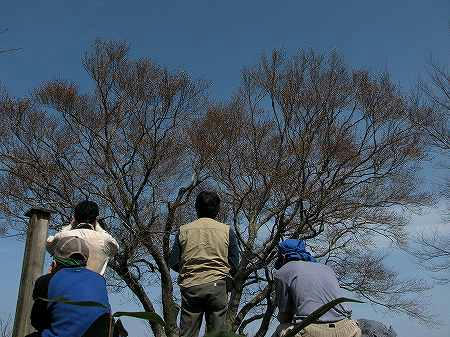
294	250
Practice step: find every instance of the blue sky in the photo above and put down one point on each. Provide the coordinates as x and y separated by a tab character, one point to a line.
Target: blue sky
213	40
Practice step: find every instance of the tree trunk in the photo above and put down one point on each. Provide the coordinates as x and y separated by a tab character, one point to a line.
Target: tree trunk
140	293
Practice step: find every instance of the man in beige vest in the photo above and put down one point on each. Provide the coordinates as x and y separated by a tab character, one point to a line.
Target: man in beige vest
205	253
102	246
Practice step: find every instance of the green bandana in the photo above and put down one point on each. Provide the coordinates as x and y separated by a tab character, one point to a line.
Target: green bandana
68	262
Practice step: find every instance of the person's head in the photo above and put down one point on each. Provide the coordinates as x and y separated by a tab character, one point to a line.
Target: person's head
86	212
292	250
207	204
70	251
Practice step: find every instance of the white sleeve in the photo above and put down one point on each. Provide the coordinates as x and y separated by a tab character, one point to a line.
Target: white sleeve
111	246
50	244
52	240
99	228
66	228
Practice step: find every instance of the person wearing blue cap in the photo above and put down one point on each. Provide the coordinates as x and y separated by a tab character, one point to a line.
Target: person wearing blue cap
302	286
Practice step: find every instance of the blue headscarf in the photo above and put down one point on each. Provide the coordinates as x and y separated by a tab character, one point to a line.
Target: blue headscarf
293	250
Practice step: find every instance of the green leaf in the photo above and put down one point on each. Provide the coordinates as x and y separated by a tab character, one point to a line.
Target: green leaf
315	315
80	303
149	316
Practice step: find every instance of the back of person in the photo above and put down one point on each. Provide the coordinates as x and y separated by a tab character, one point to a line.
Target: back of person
76	284
204	252
311	285
68	279
102	246
304	285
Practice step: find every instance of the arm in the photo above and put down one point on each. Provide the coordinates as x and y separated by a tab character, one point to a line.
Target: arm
51	244
285	317
52	240
110	249
285	312
40	315
175	254
111	246
233	252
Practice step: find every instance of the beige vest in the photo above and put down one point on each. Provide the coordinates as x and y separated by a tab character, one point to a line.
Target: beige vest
204	252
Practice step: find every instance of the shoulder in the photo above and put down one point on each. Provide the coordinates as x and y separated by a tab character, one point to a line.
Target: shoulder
87	273
183	229
204	224
79	273
94	275
99	228
319	269
102	234
41	285
218	223
44	279
67	232
282	273
59	235
187	225
310	265
212	223
90	235
293	268
66	228
198	223
326	268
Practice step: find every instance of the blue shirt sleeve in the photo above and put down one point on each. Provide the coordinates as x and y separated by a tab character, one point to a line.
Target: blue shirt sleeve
175	254
233	252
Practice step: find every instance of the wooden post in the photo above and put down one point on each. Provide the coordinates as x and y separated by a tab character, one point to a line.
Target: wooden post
33	262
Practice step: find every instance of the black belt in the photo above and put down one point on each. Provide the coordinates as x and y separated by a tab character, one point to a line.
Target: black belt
331	324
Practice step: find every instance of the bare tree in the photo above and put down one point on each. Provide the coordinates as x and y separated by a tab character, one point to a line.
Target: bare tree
432	250
121	144
434	119
307	147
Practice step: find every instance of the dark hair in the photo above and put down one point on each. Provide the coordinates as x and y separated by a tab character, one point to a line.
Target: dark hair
207	204
86	211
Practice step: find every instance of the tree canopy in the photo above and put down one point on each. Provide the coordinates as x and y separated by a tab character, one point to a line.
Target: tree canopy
432	249
307	147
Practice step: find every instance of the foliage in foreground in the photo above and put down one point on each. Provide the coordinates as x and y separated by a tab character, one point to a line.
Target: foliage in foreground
155	318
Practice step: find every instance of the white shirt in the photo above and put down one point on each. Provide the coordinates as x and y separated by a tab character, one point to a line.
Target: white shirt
102	246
